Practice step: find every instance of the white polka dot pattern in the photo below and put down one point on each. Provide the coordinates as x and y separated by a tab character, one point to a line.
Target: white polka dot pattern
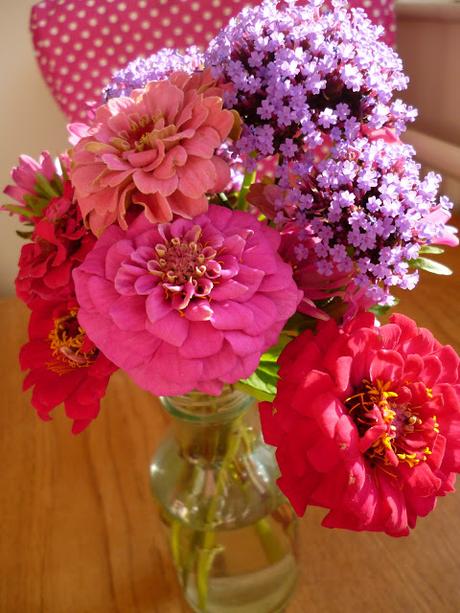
80	44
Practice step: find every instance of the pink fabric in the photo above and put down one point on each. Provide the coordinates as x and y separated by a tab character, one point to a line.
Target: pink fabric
80	43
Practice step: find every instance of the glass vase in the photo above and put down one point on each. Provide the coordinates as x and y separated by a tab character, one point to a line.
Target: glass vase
232	533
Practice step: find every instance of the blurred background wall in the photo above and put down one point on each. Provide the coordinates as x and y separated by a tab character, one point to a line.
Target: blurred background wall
30	121
428	38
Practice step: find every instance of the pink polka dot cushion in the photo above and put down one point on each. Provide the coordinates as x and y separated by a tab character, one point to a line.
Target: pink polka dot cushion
80	43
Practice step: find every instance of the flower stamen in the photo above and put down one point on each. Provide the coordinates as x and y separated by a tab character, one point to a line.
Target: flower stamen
70	345
187	267
394	431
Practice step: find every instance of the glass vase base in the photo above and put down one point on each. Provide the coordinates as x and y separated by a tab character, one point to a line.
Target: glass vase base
248	569
264	591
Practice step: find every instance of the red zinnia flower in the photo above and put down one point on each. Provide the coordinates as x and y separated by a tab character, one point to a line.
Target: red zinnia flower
60	243
65	366
366	422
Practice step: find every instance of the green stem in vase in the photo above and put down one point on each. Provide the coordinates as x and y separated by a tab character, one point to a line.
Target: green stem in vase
208	550
271	546
175	542
270	543
248	180
184	565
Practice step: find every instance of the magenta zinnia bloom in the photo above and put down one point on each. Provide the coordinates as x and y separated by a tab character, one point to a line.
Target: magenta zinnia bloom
187	305
366	422
60	242
155	148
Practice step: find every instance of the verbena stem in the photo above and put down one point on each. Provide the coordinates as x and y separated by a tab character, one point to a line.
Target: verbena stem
248	180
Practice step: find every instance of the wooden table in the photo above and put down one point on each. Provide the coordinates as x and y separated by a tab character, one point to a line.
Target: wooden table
80	534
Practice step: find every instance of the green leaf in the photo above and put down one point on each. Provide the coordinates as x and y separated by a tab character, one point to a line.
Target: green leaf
57	185
261	384
430	266
272	354
25	235
36	204
431	249
300	322
17	209
379	310
44	187
255	392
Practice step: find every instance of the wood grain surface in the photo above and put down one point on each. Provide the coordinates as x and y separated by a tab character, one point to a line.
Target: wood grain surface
80	533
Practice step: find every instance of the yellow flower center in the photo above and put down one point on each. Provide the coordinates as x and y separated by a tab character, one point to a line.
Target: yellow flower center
69	345
402	435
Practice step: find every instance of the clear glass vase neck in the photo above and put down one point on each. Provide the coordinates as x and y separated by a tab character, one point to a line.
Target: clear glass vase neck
203	408
206	428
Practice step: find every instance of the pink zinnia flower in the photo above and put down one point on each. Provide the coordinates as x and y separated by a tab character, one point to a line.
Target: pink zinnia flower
60	242
36	183
366	422
65	366
155	148
187	305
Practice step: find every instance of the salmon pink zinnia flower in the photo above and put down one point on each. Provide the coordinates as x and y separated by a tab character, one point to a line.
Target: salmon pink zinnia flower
155	148
189	305
366	422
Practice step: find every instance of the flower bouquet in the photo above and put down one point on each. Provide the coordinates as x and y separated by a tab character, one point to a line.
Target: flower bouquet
228	225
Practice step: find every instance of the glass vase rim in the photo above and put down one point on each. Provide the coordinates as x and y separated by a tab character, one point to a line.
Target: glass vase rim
188	407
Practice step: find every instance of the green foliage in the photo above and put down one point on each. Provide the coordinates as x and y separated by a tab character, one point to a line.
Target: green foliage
262	383
298	323
430	266
380	310
25	235
431	249
17	209
35	204
248	180
46	188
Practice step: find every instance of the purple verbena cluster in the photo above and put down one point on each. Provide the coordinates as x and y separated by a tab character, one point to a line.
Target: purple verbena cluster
370	210
300	72
314	86
153	68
